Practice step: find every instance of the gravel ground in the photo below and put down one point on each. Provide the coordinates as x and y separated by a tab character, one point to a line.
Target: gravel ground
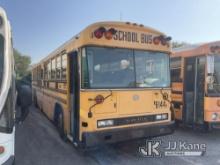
38	143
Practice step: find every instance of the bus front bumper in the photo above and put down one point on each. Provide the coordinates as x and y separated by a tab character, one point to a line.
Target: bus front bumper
91	139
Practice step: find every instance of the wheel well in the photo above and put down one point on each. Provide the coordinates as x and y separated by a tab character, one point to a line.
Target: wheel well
57	111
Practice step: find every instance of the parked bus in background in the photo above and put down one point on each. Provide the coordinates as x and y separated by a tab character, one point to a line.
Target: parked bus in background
7	92
109	83
195	74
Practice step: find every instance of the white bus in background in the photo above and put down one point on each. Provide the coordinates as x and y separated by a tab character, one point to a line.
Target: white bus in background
7	92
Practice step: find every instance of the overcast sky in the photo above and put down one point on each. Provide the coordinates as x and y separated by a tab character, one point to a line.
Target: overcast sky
40	26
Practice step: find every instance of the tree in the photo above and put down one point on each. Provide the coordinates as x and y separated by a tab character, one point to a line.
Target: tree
177	44
22	63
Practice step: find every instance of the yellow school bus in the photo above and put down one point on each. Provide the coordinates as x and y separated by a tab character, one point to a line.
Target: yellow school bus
109	83
195	75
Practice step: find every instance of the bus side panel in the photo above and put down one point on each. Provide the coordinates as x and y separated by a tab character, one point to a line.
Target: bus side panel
47	99
211	106
177	99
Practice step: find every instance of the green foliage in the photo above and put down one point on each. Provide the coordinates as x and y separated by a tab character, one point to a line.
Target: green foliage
22	63
177	44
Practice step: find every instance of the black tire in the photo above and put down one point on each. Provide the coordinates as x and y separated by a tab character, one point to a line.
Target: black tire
35	100
60	127
13	162
177	124
207	127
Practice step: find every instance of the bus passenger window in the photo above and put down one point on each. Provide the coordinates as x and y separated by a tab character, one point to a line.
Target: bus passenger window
175	74
41	74
53	69
58	68
64	67
45	72
34	74
48	70
176	69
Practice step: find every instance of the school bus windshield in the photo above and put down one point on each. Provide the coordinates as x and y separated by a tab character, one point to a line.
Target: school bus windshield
124	68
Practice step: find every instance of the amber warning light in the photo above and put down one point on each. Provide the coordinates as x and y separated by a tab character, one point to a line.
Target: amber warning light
215	49
161	39
107	33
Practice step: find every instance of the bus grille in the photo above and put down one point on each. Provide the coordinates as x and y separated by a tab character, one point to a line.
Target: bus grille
135	120
131	120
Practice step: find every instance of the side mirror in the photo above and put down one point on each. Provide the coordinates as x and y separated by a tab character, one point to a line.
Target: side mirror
24	100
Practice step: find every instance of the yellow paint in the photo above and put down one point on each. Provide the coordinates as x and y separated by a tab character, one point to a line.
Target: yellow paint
122	103
210	103
211	106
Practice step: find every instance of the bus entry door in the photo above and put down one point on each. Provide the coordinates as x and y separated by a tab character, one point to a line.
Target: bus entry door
194	90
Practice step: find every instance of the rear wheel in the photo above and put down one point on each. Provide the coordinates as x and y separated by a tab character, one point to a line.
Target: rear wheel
35	100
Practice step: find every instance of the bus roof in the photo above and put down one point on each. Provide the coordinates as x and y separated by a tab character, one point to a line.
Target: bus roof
197	49
86	37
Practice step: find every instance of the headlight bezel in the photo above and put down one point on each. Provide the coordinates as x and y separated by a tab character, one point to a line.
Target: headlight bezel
105	123
160	117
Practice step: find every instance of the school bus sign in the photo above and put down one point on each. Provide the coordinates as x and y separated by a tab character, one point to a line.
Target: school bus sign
129	36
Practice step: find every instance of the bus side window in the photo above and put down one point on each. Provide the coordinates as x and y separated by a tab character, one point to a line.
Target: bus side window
58	68
53	69
64	66
38	75
176	69
45	72
35	74
41	76
48	70
41	73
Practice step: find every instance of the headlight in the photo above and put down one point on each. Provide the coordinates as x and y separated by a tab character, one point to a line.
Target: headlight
158	117
105	123
214	116
162	116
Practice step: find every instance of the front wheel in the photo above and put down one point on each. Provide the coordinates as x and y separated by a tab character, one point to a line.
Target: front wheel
207	127
60	127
